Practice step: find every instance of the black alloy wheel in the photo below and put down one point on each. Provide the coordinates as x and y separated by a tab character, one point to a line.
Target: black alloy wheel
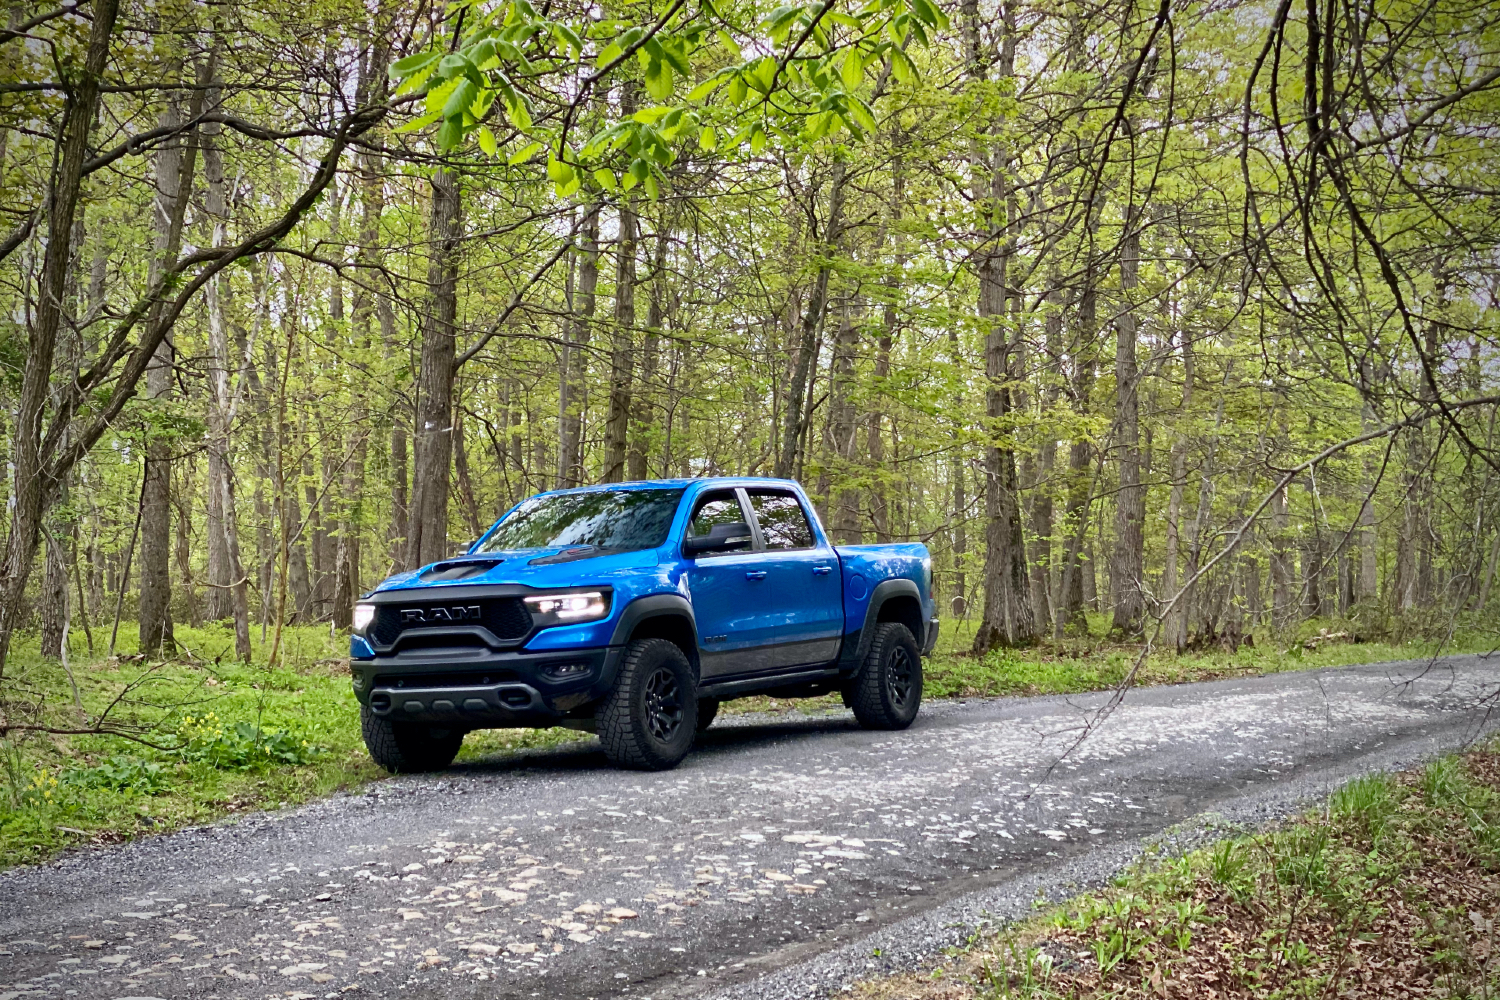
898	677
663	705
649	718
887	691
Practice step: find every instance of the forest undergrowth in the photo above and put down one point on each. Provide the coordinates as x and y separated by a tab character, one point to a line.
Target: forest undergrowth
216	738
1392	889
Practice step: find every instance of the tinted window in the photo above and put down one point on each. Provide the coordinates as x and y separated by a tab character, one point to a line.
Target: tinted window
618	520
781	520
715	508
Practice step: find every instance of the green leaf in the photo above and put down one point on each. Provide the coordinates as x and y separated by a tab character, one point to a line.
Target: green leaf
738	90
515	110
726	40
862	114
610	54
487	141
570	188
852	72
708	140
416	125
640	169
568	36
458	102
453	65
450	134
525	153
703	89
765	74
402	68
606	179
438	96
659	80
651	189
560	172
902	68
757	139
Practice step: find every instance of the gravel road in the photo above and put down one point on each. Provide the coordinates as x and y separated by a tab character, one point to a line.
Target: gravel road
785	857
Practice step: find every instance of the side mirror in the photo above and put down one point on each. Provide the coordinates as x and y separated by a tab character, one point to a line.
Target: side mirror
720	538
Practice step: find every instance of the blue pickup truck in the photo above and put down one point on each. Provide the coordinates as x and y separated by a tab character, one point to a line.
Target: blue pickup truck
632	610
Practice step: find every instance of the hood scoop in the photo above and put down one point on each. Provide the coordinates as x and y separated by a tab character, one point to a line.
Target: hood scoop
458	569
570	555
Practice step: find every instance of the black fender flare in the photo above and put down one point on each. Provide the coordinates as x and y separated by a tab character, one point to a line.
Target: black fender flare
854	652
656	606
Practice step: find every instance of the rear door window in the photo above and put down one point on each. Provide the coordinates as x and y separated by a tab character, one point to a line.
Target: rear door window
783	524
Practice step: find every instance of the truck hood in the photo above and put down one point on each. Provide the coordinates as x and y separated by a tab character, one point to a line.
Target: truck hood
564	566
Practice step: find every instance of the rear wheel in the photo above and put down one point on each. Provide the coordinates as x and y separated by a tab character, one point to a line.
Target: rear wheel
648	721
887	691
708	708
408	747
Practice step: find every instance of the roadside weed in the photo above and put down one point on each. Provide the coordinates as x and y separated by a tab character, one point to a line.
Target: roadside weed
120	773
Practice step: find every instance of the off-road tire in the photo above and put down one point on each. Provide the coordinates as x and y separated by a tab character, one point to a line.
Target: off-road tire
408	747
708	709
887	691
648	721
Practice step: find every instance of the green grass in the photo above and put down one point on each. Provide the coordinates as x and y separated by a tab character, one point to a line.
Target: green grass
228	738
1392	889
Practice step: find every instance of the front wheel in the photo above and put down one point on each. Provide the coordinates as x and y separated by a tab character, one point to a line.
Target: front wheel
408	747
887	691
648	721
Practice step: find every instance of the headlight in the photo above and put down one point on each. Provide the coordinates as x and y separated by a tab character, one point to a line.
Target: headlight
580	606
364	614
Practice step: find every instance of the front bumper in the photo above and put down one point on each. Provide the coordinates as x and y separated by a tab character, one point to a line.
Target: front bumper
485	689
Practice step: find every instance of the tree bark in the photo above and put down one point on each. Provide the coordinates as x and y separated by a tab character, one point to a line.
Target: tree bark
1174	628
1076	584
572	398
622	345
1008	618
789	455
174	180
29	495
428	540
643	418
347	575
1127	568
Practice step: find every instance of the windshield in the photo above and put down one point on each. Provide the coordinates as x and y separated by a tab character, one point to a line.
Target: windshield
619	520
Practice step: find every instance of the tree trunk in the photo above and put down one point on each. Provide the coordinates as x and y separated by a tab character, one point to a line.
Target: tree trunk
1008	618
401	425
428	539
347	575
1127	570
643	420
789	456
1283	604
1174	629
622	347
174	181
571	399
29	497
1076	585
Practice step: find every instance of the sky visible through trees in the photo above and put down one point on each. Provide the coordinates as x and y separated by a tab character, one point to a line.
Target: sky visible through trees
1180	312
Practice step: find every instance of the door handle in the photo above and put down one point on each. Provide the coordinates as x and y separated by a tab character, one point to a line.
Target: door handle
822	570
755	574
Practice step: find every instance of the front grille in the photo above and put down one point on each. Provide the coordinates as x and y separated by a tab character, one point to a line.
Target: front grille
454	680
505	617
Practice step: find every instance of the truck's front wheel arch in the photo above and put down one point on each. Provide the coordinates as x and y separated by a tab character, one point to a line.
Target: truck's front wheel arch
660	616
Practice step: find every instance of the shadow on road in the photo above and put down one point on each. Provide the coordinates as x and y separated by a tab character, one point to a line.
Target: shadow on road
586	756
